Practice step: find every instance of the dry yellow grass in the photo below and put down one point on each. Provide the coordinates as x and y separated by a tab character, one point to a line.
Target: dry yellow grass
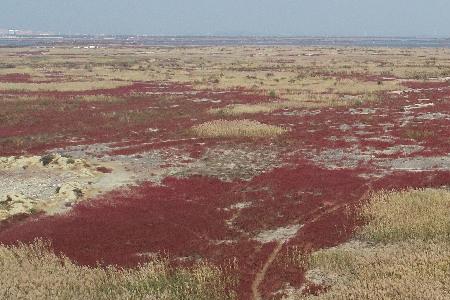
406	270
265	107
403	251
347	86
241	109
334	85
294	101
237	128
414	214
33	272
99	98
290	71
62	86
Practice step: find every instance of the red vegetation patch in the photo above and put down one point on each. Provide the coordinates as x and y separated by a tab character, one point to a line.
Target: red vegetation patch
148	115
15	78
194	218
180	218
188	219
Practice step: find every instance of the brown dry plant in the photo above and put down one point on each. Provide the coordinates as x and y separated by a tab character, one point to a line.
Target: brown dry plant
34	272
414	214
404	270
62	86
236	129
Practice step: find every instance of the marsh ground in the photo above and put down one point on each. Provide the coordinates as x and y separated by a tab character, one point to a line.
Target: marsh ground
236	156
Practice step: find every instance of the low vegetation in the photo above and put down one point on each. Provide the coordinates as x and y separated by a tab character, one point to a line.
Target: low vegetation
308	70
294	101
401	216
405	270
402	253
236	129
34	272
241	109
306	137
62	86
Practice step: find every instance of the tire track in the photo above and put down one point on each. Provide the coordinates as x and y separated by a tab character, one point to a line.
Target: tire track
261	275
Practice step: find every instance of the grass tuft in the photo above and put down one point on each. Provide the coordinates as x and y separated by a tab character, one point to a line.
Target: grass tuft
237	128
34	272
414	214
404	270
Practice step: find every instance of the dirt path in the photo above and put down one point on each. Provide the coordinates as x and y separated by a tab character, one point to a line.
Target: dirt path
260	276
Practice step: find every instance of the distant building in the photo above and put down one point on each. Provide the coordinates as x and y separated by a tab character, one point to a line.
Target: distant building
12	32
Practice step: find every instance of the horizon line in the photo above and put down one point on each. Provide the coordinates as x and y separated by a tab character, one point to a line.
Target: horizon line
225	35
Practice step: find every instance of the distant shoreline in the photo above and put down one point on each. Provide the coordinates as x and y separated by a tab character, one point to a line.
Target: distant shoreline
128	40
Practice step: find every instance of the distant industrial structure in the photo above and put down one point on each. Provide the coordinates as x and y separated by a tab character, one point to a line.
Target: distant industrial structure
14	32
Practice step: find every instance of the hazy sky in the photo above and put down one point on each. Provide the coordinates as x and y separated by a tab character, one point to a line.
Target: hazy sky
263	17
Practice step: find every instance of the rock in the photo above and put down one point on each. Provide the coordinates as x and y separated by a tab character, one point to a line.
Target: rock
66	162
14	204
72	191
47	159
19	162
51	182
4	214
18	208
